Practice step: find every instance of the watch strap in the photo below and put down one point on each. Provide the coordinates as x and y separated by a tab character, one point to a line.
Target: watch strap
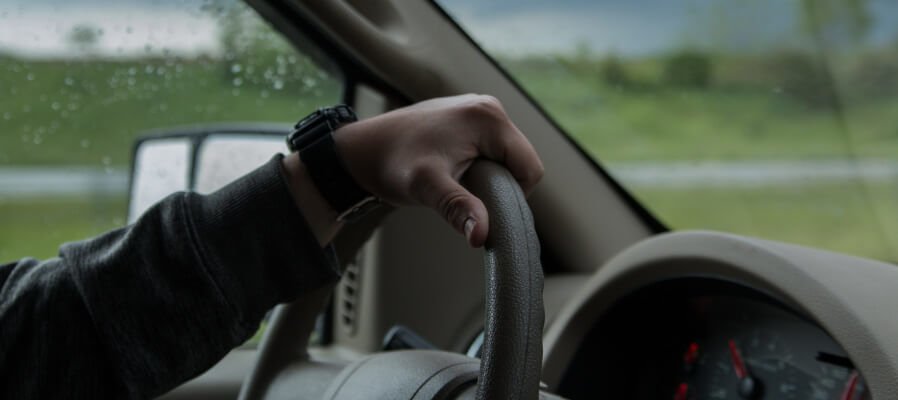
331	178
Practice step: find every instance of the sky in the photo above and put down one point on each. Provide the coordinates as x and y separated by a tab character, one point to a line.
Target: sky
40	28
642	26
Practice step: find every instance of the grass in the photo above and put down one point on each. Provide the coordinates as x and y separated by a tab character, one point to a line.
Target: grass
88	113
731	121
656	122
36	227
833	216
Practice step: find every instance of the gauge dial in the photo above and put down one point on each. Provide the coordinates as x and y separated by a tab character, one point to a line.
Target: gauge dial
756	363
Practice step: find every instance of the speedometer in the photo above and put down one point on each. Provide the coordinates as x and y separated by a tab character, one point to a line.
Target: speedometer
746	358
696	339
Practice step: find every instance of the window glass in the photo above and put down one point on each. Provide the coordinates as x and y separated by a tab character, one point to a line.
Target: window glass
79	80
770	118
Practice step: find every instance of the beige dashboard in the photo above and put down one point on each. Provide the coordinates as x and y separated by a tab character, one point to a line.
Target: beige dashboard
852	299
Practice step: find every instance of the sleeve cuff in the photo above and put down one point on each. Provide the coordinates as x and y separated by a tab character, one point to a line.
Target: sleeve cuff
256	243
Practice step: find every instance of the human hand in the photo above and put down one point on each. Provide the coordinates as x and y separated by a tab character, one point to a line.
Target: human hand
416	155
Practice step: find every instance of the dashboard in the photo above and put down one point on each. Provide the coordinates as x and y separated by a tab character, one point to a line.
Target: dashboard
695	338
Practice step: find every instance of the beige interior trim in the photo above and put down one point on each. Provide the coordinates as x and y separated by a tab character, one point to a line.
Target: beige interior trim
845	295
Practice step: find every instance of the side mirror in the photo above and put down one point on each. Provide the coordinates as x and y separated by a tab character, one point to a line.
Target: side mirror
199	159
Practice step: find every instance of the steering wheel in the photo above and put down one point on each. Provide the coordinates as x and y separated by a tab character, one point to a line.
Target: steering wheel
512	349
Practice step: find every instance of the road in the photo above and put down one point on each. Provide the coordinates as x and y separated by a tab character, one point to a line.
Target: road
18	182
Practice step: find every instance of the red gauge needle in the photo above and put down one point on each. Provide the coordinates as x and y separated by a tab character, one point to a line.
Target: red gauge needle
848	394
682	392
738	365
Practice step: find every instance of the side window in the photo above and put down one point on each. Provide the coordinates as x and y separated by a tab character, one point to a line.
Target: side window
776	119
79	80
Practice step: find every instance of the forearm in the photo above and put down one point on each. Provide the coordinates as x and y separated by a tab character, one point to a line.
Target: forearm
143	308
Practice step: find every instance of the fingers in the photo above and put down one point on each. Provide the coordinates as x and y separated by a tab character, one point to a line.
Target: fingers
461	209
500	140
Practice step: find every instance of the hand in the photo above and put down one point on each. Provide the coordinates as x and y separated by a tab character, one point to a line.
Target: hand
416	155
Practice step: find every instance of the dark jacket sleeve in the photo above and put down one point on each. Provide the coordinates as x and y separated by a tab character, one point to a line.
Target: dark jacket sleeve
136	311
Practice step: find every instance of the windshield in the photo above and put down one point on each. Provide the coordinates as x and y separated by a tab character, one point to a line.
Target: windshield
81	79
769	118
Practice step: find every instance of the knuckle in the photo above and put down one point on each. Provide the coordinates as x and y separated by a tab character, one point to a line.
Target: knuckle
484	107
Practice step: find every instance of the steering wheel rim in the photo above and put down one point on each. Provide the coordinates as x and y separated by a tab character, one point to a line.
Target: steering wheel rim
512	349
510	366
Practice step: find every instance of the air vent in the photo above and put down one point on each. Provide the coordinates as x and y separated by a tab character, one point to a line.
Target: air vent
347	298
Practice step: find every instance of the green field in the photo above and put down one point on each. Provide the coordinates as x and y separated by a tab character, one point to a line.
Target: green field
743	114
89	112
836	216
36	227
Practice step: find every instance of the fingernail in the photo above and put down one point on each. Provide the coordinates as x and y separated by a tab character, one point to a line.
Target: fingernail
469	227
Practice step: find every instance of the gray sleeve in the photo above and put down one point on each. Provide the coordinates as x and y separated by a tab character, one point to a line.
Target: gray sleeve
138	310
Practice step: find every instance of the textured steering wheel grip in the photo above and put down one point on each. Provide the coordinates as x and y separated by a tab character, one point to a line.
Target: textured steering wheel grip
511	360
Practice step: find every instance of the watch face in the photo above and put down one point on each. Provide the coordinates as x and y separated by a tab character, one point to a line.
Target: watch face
323	121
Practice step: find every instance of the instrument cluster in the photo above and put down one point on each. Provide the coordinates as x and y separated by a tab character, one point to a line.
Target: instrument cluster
704	339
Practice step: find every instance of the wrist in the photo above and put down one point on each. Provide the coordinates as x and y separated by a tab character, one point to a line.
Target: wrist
319	214
313	138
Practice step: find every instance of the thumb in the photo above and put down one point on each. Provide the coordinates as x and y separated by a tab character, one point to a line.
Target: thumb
461	209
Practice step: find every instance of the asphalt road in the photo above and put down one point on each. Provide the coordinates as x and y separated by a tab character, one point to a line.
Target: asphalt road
20	182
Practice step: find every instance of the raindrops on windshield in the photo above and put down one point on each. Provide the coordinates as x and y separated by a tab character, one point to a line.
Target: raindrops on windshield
79	84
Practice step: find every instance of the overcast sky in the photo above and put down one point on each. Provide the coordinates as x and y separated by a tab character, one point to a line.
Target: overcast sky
643	26
39	28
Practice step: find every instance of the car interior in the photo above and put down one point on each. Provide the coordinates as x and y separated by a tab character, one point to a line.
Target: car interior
583	291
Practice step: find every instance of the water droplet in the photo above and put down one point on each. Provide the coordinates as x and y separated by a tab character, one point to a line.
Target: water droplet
264	94
30	76
7	116
69	81
132	71
278	84
235	92
37	139
236	68
73	106
238	81
107	160
148	69
85	143
26	108
55	106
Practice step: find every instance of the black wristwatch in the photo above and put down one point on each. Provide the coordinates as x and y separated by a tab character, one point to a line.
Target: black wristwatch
313	139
